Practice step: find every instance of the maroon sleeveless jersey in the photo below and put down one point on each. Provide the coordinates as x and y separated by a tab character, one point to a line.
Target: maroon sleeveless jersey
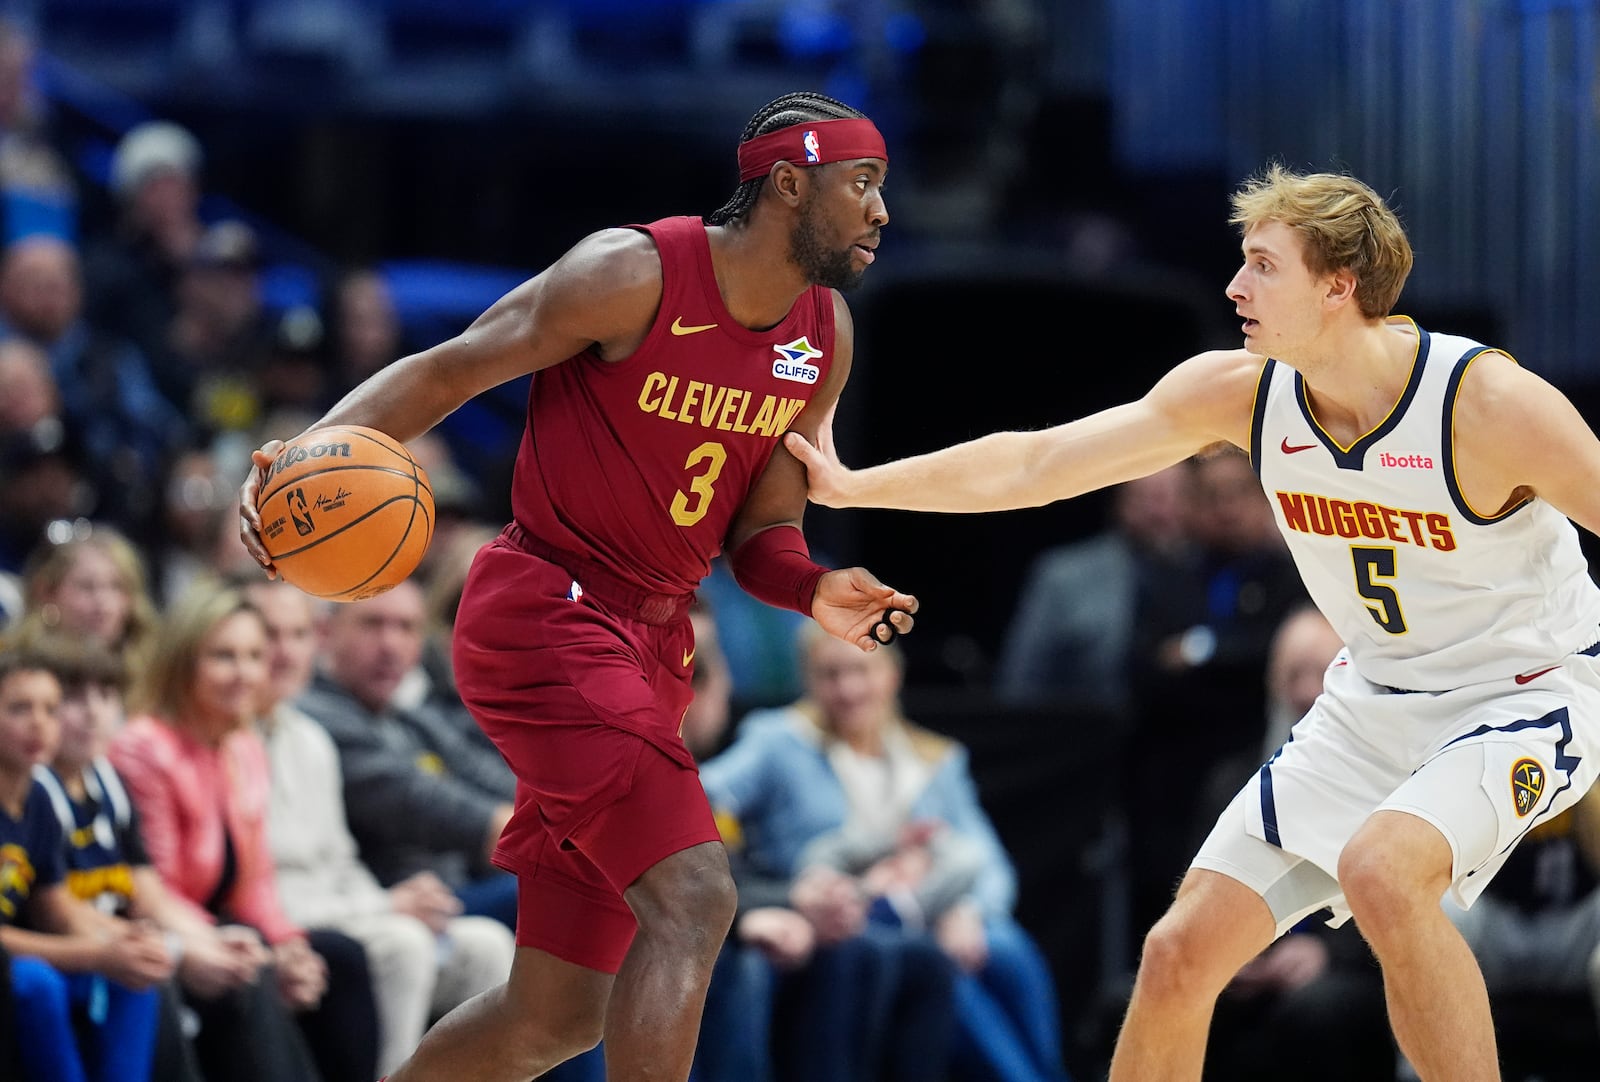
639	466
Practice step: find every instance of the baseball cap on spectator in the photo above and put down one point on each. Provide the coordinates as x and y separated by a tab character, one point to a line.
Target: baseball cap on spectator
149	148
228	244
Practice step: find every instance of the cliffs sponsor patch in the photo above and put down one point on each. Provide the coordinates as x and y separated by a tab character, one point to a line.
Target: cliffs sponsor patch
791	362
1527	785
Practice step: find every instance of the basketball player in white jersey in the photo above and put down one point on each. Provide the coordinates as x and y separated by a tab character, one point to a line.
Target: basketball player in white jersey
1424	484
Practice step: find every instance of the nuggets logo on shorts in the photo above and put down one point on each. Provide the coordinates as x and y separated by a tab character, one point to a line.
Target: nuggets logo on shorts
1527	785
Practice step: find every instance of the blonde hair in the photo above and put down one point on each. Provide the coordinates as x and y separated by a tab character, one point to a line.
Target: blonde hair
1343	225
166	686
49	565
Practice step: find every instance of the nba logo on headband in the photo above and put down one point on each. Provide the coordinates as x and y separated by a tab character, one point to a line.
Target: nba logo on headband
801	144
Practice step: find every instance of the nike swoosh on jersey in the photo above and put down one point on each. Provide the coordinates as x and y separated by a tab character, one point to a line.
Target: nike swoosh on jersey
1528	678
679	328
688	656
1289	449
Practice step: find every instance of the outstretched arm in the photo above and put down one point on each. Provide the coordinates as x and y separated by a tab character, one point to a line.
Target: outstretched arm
1203	401
602	293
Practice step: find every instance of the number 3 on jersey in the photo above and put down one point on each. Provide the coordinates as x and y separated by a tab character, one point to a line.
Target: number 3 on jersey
1384	604
690	507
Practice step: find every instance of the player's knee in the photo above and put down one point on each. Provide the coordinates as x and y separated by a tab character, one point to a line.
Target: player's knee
1176	963
553	1031
689	895
1380	887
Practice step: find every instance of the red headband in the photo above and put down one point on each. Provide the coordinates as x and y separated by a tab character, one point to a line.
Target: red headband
811	142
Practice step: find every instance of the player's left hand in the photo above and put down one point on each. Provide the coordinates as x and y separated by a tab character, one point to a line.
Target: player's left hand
851	604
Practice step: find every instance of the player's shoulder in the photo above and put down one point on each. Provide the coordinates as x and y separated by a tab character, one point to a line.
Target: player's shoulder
1495	390
1218	372
621	253
1238	363
1212	394
612	279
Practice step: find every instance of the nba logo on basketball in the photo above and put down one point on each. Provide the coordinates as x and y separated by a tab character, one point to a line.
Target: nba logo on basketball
300	512
813	149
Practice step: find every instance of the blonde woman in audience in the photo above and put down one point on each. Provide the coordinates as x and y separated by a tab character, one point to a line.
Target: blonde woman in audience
426	958
844	761
246	1033
197	772
92	583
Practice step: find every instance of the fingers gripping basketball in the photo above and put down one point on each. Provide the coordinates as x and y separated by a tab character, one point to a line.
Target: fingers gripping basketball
346	512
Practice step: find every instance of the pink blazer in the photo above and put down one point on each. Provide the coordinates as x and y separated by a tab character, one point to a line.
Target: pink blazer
184	791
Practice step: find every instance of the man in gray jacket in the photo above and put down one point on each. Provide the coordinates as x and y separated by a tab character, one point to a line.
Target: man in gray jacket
425	957
420	793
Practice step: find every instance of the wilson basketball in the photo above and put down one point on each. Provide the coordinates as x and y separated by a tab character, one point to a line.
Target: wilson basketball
346	512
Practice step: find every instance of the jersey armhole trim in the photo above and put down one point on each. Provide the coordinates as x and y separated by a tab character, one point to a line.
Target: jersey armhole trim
1448	441
1258	413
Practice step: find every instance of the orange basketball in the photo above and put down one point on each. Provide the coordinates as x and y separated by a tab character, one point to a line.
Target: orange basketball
346	512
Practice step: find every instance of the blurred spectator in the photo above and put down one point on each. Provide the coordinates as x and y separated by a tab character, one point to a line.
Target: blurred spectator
109	399
844	1000
41	481
421	793
458	503
1250	583
79	963
89	580
220	336
366	328
425	957
30	425
29	397
37	191
197	772
845	758
451	558
1311	1005
197	523
1210	646
222	971
1077	622
131	275
294	370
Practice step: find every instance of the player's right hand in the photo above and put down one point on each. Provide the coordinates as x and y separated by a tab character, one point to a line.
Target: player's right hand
827	479
249	494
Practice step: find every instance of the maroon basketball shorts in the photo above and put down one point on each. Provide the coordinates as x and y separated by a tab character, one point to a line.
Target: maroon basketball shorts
585	701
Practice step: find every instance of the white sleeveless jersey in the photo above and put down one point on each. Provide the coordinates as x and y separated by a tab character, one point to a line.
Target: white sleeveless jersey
1427	593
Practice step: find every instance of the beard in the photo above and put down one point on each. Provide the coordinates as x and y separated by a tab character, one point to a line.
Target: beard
832	268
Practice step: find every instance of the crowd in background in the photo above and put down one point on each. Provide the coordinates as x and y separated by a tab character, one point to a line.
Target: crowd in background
245	836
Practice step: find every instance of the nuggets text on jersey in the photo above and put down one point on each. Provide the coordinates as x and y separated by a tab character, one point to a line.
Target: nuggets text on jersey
1306	512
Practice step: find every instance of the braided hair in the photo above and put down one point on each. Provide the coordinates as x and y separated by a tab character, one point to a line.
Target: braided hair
778	113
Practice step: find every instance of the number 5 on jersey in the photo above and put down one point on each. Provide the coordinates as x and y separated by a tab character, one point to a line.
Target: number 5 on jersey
690	507
1372	564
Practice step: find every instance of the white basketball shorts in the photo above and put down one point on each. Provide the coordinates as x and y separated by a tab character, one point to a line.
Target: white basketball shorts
1484	764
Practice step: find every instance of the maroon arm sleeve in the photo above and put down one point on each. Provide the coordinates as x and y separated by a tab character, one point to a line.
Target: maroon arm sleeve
775	566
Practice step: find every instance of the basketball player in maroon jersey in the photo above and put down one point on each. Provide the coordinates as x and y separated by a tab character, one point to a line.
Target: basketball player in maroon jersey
669	359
